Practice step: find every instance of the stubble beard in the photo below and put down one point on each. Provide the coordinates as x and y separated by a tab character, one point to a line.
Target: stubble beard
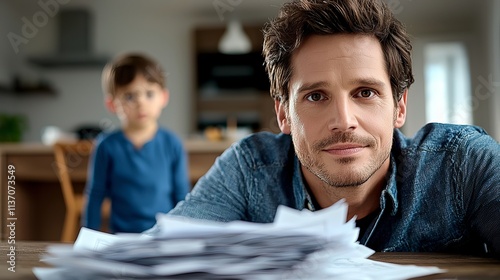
351	178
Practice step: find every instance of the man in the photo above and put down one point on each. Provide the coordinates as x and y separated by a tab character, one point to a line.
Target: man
340	72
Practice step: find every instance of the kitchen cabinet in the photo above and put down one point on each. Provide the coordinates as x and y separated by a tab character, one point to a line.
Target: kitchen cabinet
231	88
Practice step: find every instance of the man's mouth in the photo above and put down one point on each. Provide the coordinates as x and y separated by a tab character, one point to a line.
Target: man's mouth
344	149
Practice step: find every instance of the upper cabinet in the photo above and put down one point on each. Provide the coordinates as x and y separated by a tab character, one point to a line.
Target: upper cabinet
231	89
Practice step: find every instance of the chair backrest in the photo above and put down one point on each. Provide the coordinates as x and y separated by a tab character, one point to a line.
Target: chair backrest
71	158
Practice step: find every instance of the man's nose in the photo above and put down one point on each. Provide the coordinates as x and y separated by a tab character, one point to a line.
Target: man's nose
342	115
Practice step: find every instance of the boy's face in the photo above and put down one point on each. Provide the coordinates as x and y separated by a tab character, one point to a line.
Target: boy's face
341	112
139	104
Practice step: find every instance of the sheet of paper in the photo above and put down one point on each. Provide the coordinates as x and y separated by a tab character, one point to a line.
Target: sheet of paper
93	240
360	268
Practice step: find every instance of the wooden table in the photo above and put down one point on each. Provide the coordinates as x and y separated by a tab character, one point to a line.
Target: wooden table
459	267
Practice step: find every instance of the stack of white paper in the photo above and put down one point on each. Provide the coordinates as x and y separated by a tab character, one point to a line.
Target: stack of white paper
297	245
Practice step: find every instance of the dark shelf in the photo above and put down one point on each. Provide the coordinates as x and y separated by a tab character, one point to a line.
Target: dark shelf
70	61
4	89
34	91
42	89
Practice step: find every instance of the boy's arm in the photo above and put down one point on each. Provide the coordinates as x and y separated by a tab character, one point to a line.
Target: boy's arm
180	174
480	170
95	190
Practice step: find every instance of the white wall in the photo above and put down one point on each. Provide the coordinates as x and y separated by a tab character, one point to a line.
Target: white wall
494	54
4	45
479	30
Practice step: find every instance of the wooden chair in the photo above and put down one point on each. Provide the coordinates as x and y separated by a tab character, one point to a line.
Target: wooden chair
72	161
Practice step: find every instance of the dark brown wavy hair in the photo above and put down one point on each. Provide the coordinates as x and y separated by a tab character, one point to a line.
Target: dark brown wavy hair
302	18
124	68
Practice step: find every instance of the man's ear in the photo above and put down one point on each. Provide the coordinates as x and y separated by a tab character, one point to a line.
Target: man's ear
401	110
281	113
110	104
166	97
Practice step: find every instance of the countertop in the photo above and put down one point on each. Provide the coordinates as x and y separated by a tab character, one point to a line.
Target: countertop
191	145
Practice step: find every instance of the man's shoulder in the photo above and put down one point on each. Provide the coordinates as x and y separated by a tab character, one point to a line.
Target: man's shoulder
441	136
266	137
266	146
266	141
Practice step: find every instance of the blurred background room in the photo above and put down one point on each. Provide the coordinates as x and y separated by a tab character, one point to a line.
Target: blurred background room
52	53
51	61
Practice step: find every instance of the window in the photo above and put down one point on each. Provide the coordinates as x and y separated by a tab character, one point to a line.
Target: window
447	83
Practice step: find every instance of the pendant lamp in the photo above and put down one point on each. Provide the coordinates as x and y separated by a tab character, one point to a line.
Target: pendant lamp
234	40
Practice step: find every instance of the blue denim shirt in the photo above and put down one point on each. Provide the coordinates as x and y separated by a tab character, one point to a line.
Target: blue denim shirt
442	192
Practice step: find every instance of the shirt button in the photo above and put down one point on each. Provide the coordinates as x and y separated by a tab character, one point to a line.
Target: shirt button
309	206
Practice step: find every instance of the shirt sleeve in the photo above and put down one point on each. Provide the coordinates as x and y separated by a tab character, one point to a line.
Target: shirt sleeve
219	194
479	168
96	186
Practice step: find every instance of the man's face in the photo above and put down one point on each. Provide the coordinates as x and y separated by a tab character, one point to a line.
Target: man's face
341	112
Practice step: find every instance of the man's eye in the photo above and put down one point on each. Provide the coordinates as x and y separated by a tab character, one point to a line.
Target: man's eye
150	93
315	97
366	93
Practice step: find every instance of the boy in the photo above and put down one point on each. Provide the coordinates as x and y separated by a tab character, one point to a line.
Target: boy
142	167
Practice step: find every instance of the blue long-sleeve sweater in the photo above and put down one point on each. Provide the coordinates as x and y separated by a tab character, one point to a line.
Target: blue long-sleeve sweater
139	182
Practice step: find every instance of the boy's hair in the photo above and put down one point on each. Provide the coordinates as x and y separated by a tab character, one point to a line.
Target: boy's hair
300	19
124	68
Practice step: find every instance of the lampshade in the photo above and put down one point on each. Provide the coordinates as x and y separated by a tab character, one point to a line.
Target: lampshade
234	40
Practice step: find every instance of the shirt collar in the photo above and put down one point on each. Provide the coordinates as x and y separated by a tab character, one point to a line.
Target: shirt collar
390	193
302	196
